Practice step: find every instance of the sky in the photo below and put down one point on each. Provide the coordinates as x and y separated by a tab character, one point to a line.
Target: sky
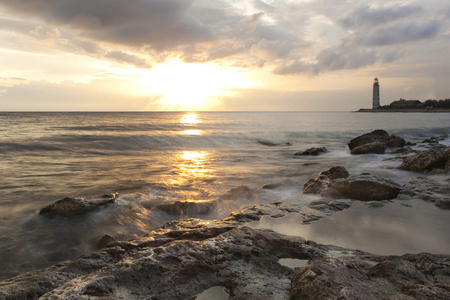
223	55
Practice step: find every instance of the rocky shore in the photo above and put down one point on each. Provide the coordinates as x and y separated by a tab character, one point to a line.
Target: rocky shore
189	256
407	110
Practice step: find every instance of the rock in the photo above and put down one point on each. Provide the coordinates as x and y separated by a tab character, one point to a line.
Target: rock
374	136
105	240
433	140
447	153
375	142
428	190
375	148
420	276
403	150
428	159
340	204
186	257
240	192
335	173
77	205
395	142
317	185
320	183
188	208
178	261
283	184
272	144
363	187
312	151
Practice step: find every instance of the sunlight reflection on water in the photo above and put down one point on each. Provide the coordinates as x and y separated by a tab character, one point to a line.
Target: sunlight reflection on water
192	132
190	118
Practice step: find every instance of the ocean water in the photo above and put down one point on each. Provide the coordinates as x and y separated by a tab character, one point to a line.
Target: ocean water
153	158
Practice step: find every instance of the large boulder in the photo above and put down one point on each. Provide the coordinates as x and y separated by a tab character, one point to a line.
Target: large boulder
335	173
316	185
424	160
319	184
421	276
375	142
395	142
379	135
375	148
77	205
363	187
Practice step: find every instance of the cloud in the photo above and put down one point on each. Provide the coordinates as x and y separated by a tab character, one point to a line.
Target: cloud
400	33
331	60
287	36
161	24
131	59
68	96
365	16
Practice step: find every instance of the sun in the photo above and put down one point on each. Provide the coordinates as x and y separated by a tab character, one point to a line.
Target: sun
193	86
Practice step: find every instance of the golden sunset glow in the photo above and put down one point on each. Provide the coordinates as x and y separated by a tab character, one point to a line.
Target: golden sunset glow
230	55
190	118
192	132
194	156
193	86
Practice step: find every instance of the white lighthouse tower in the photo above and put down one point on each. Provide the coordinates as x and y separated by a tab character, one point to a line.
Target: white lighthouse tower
376	94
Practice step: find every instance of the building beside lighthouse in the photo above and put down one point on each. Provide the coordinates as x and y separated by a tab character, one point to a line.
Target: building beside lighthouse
376	94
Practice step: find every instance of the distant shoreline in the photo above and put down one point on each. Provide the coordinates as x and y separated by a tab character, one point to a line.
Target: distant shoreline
405	110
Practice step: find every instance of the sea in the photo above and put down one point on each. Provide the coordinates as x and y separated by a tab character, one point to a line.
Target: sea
153	158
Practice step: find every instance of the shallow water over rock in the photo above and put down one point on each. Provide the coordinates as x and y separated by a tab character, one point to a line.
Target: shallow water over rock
402	226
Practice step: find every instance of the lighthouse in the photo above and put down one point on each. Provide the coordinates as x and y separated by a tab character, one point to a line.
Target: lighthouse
376	94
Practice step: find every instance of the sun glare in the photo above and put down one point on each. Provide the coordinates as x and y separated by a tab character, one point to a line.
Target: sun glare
193	86
190	119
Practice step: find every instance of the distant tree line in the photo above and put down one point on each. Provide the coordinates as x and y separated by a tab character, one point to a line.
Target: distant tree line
428	104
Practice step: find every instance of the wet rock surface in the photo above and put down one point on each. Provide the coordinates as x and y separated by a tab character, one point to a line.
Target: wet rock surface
177	261
375	148
428	190
421	276
319	184
424	160
186	208
77	205
375	142
364	187
183	258
312	151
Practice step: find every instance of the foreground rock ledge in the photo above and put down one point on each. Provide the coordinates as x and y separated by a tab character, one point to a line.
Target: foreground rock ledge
186	257
421	276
